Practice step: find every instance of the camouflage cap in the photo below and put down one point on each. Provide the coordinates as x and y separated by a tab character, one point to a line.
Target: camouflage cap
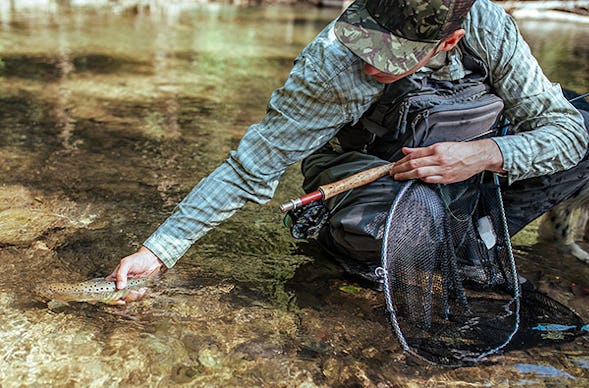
395	35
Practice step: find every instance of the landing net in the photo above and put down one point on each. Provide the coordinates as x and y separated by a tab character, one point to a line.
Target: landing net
449	273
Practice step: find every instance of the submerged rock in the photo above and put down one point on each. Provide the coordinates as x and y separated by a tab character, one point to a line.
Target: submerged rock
22	217
25	216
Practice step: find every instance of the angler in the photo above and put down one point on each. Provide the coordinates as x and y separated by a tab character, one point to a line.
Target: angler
363	94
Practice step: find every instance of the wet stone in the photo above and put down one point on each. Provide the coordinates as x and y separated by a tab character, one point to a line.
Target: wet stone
254	349
27	122
192	343
210	358
183	374
21	226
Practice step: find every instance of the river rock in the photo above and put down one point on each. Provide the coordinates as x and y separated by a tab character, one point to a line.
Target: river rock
22	226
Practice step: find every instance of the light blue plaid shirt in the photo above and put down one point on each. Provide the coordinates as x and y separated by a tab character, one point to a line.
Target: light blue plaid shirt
327	88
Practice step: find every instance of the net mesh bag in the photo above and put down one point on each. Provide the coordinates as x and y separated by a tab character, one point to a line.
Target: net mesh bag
449	274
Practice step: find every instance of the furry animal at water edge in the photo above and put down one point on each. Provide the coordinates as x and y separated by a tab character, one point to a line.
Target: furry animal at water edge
566	223
569	220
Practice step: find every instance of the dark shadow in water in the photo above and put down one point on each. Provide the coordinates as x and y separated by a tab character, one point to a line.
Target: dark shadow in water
322	282
114	166
544	321
47	68
317	24
94	253
106	146
312	280
108	64
27	122
248	294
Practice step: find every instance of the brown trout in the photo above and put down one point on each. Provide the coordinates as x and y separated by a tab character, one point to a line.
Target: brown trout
98	290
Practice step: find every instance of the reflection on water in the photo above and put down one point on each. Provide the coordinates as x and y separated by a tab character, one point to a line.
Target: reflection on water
543	371
562	50
108	116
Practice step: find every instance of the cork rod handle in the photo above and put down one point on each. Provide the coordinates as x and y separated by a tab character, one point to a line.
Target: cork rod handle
331	189
359	179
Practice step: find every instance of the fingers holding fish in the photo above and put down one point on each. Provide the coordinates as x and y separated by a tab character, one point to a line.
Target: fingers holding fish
133	295
142	263
127	283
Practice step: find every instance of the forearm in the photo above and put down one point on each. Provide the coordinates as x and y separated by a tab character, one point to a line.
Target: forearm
549	134
552	139
213	200
448	162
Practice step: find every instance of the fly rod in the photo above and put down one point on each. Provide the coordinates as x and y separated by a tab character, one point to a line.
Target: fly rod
332	189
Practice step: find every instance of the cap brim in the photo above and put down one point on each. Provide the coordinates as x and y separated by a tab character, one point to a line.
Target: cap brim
359	32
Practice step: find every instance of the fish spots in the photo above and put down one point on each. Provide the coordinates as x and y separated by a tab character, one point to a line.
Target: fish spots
95	290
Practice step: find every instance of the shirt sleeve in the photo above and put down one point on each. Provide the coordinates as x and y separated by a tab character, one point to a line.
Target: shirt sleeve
549	134
301	116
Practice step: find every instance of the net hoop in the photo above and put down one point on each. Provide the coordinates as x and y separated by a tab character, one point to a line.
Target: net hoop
389	292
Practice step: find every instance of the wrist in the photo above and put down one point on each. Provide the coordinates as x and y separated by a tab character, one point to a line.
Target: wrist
146	251
494	159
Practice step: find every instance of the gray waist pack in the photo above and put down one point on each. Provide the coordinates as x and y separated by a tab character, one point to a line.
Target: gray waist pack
419	113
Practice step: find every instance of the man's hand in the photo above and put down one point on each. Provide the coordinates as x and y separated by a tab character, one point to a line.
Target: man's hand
448	162
142	263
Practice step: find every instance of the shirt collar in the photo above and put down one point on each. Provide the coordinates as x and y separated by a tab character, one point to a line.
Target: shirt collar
444	66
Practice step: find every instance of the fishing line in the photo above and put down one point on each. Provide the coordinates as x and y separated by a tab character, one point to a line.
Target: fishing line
579	97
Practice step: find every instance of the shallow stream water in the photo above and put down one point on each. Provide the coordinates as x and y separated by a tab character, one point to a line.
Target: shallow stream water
108	117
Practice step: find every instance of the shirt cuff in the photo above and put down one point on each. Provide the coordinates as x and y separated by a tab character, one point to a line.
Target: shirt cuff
167	248
507	145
